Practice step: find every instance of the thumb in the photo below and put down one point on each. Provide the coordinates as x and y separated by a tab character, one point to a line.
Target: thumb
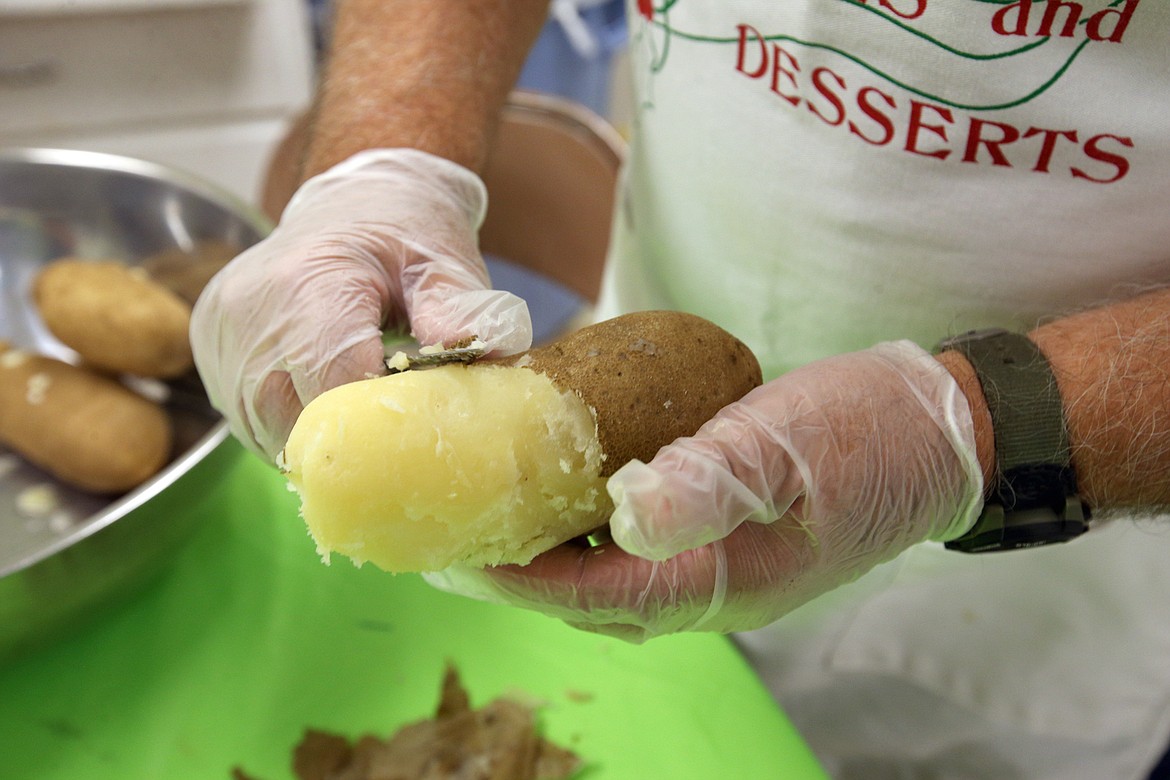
448	299
695	491
499	319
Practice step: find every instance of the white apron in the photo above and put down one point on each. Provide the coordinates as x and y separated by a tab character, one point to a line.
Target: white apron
820	175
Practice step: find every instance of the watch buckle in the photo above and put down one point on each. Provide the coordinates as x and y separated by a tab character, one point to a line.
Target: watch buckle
999	530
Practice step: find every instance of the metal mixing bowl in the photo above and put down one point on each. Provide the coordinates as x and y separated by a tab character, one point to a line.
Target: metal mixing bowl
62	558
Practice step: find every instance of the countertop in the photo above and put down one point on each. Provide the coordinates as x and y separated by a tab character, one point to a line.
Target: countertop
248	639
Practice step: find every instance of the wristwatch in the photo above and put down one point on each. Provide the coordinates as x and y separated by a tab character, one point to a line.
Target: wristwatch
1033	500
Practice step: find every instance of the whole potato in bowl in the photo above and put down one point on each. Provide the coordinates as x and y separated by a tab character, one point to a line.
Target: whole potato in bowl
115	317
85	429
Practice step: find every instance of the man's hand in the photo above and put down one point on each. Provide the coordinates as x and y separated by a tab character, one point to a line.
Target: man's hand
805	484
385	239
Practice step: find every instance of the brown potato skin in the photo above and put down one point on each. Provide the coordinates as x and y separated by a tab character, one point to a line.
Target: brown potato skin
87	430
187	273
650	377
116	319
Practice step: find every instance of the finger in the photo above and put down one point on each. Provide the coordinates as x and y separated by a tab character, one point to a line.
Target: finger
363	359
276	407
616	593
635	635
689	495
281	395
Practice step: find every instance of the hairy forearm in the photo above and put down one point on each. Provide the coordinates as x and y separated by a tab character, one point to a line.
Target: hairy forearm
424	74
1112	366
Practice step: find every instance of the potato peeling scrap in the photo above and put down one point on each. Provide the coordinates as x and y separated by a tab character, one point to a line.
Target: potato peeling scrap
499	741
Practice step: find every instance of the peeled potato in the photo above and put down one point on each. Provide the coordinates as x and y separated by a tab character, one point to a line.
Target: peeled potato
115	317
499	461
84	428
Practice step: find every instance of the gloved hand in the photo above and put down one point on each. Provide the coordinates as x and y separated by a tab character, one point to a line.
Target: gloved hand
386	239
804	485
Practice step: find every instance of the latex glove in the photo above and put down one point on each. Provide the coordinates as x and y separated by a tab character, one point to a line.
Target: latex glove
386	239
805	484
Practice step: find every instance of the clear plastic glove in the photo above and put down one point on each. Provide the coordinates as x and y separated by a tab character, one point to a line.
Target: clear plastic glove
385	240
804	485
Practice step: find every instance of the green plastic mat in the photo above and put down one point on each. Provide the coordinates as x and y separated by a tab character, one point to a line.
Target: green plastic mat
249	639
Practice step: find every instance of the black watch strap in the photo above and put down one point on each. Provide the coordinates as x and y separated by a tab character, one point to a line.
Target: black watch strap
1034	499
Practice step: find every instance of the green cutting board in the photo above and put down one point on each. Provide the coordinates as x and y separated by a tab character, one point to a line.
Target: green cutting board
248	640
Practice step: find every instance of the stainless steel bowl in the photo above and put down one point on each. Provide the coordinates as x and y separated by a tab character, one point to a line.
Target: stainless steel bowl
61	559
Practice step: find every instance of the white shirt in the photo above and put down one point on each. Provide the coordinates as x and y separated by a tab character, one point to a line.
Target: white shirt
820	175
